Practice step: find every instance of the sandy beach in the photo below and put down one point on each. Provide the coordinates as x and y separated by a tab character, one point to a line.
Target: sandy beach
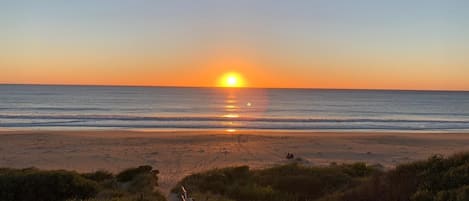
177	154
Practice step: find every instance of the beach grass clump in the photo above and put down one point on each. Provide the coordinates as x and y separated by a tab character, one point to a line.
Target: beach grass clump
134	184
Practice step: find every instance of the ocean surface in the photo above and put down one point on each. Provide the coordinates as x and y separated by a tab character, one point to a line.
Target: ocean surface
171	108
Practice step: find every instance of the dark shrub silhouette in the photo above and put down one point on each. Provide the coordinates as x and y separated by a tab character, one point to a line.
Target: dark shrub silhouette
135	184
32	184
99	176
280	183
435	179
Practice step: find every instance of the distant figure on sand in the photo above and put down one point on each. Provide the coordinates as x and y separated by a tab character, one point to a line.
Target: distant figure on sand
290	155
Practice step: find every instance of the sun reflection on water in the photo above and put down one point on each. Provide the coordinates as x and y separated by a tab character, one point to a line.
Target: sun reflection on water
239	106
231	116
231	111
231	101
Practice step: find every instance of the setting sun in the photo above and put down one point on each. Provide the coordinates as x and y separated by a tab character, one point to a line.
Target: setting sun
231	80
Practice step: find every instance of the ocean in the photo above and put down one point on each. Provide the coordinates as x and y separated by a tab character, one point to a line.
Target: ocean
47	107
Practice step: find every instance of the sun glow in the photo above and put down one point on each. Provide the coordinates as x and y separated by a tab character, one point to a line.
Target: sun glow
231	116
231	79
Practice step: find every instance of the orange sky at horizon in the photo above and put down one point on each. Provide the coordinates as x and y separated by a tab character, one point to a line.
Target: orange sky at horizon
256	79
204	70
272	44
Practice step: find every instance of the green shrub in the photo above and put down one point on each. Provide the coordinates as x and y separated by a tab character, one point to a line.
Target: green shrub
422	196
99	176
280	183
36	185
32	184
129	174
436	179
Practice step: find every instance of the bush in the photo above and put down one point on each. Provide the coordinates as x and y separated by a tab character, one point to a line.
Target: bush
422	196
37	185
435	179
287	182
99	176
129	174
33	184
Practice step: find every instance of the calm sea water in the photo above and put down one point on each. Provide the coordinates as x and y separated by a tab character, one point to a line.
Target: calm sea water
99	107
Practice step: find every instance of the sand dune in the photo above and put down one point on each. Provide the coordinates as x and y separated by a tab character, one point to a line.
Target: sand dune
177	154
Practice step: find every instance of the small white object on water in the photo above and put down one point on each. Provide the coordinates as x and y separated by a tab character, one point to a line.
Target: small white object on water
249	104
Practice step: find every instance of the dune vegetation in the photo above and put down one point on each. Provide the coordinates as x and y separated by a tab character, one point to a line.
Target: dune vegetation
135	184
435	179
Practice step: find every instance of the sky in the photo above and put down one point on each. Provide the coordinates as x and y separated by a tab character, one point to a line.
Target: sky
365	44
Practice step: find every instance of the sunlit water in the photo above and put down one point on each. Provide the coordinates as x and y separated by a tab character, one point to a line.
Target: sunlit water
93	107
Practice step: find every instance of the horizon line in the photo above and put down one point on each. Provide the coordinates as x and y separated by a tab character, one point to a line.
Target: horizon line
176	86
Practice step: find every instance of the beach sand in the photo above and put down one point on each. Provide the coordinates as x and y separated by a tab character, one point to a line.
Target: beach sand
178	154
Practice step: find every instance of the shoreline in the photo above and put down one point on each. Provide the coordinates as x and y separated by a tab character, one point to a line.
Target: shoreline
180	153
185	132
